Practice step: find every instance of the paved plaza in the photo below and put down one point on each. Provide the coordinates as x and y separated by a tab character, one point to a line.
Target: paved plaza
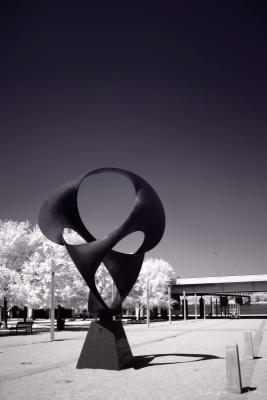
184	360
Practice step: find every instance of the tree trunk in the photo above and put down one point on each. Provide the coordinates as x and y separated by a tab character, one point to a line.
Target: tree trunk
25	313
5	313
137	313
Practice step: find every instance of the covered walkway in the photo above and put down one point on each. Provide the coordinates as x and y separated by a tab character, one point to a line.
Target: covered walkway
222	287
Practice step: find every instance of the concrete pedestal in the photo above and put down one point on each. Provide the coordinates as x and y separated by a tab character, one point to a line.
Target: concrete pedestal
105	347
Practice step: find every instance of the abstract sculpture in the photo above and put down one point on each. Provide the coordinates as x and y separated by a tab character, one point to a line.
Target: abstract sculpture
106	345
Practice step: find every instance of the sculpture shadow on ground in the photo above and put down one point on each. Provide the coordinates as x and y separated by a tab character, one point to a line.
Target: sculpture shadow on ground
146	360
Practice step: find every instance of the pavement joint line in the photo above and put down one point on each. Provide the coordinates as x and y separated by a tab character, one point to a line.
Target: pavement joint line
42	342
13	376
184	332
161	339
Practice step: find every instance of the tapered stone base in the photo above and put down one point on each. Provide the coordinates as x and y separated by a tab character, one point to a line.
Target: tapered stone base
105	347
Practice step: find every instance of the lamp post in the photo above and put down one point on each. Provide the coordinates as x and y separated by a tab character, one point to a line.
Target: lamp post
147	305
52	316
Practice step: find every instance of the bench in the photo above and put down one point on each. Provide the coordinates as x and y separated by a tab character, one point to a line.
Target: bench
22	326
134	321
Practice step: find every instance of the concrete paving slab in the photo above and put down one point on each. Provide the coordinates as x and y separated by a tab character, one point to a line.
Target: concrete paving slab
178	361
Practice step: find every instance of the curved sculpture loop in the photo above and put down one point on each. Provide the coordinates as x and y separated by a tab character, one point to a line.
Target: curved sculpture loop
60	211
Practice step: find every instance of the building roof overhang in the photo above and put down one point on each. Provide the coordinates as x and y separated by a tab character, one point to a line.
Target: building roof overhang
221	284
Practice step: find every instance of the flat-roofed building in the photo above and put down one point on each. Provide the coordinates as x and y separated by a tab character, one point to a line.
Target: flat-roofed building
220	284
239	286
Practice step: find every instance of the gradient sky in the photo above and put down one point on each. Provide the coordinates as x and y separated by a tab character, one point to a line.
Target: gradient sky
174	91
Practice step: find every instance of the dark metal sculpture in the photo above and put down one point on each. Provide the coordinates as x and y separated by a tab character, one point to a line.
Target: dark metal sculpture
60	211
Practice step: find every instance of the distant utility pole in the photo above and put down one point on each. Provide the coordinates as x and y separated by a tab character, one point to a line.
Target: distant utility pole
218	265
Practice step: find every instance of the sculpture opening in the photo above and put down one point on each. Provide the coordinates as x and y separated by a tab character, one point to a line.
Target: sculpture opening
104	201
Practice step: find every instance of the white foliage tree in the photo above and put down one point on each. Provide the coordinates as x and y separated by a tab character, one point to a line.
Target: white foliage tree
70	289
104	284
25	268
16	247
26	256
157	274
11	287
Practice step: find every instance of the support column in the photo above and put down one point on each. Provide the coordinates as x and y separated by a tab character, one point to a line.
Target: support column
195	298
211	312
201	307
184	308
169	304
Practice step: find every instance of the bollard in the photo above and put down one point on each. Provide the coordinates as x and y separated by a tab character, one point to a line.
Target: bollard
233	374
249	354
